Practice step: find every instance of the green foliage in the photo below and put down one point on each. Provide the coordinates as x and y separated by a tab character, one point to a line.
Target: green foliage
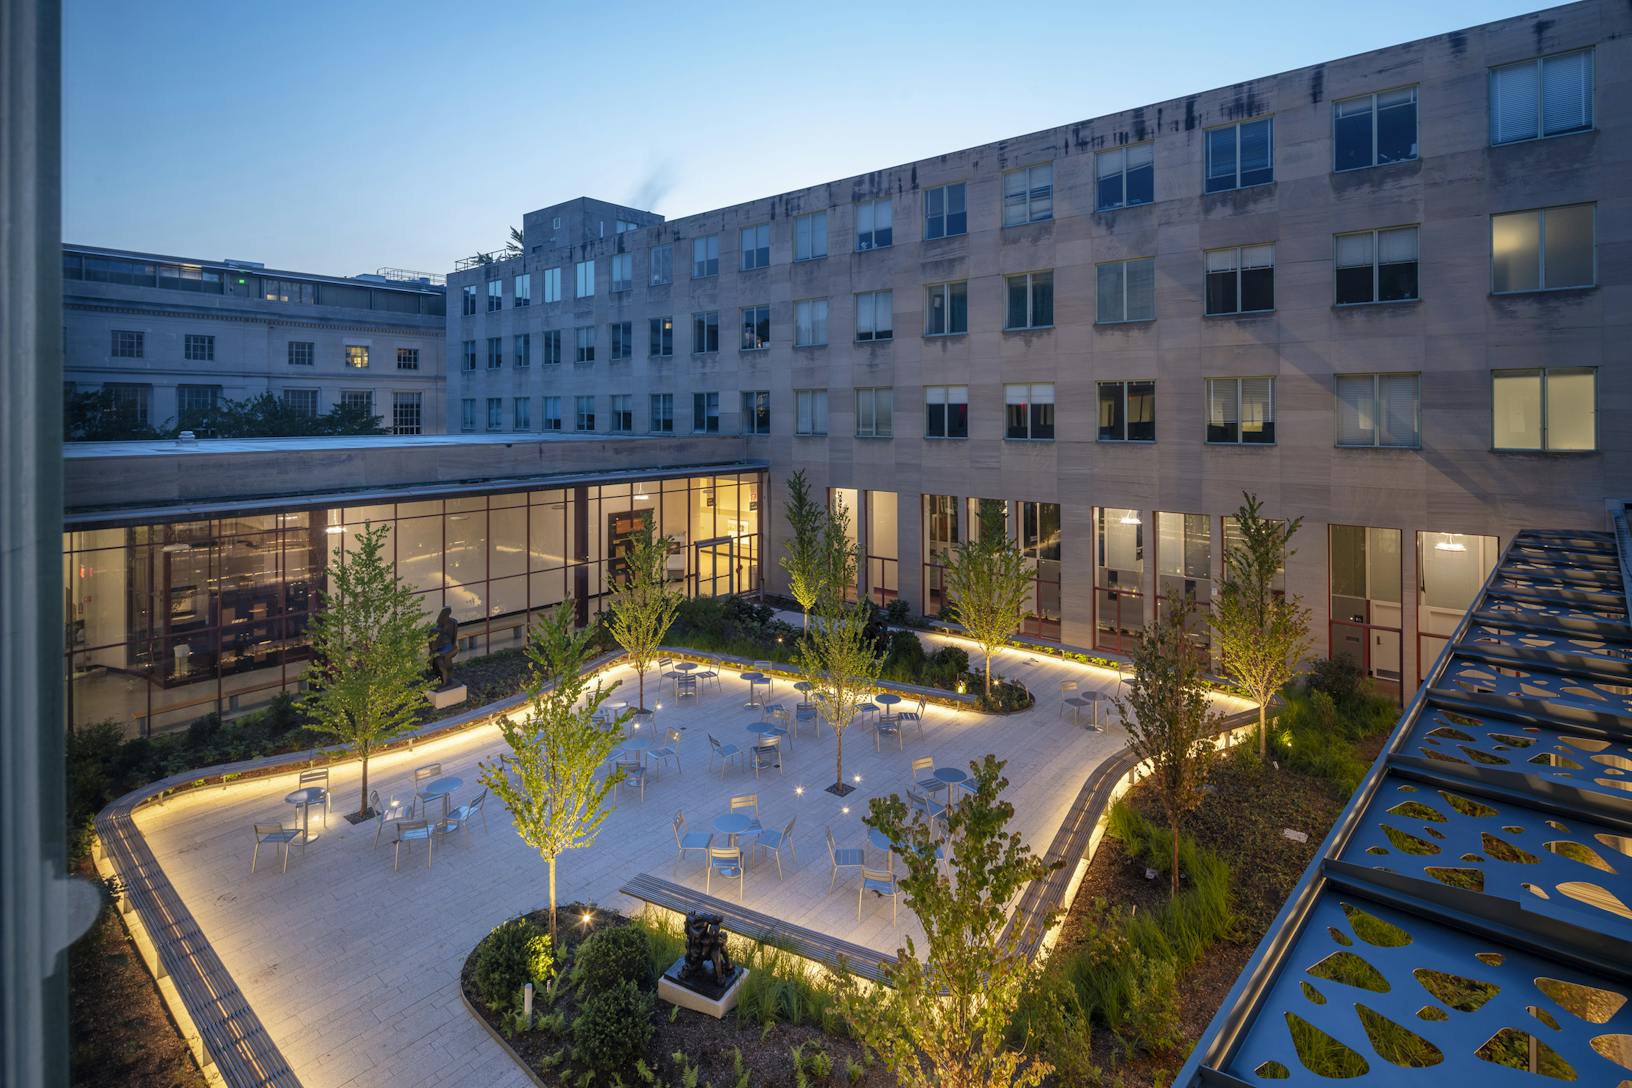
841	662
102	416
1316	735
818	1064
803	558
513	954
665	940
613	1029
646	602
780	989
736	627
1005	697
988	582
610	956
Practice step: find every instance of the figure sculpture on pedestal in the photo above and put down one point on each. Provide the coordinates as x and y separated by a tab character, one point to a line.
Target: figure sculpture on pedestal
444	646
707	962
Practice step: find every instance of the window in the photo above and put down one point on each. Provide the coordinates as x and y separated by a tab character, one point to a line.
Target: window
756	411
946	313
946	411
756	328
128	345
623	271
875	315
522	414
584	273
1127	291
1241	155
550	418
302	402
358	400
1127	411
468	295
467	354
524	350
1126	177
495	413
1548	96
705	332
552	285
357	356
407	358
944	212
1028	195
584	336
1241	410
135	399
1374	129
810	236
199	349
1377	410
272	290
705	413
662	413
875	413
521	289
467	414
407	413
623	341
495	352
622	411
196	401
810	323
584	413
662	335
662	265
705	257
1547	249
811	411
495	295
302	353
1240	280
1377	266
756	247
622	226
1553	409
1031	301
552	347
1029	411
873	229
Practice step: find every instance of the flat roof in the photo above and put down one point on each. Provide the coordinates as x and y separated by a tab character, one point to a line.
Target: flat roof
173	447
254	268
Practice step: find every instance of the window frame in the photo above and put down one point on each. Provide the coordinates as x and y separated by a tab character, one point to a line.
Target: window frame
1031	215
871	394
552	284
521	289
873	336
1539	63
760	316
707	266
1545	373
1031	300
198	347
1541	250
1240	438
806	225
350	352
620	335
874	203
548	420
705	413
654	402
1207	155
521	349
759	255
700	323
945	405
627	283
583	348
1123	263
308	349
1377	264
583	278
521	413
550	350
660	273
127	344
620	413
1031	405
810	397
944	291
660	334
407	358
1125	419
583	411
756	412
495	294
945	216
495	352
1376	378
826	311
495	414
1371	97
1238	270
1123	149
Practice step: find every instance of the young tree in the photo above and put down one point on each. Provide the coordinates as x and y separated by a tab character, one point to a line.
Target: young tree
943	1021
803	557
841	660
1261	634
988	582
1169	723
550	779
646	605
367	677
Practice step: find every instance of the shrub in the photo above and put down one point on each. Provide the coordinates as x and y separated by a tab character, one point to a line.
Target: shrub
781	989
613	1027
665	940
1315	734
513	954
1007	696
898	612
1339	677
613	955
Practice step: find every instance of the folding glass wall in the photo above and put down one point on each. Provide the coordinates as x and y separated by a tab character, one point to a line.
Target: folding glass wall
1119	571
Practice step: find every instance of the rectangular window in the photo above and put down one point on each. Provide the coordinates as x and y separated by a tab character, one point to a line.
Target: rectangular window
407	358
946	411
1126	177
662	337
407	413
468	299
756	328
583	413
705	413
1029	411
551	343
550	418
303	402
873	224
522	414
495	413
1546	249
705	257
467	414
811	412
495	352
756	247
622	334
1240	280
662	413
623	226
521	289
875	413
357	356
1553	409
1127	291
584	273
524	351
810	323
196	402
1374	129
945	214
1239	156
128	345
1378	410
705	332
552	285
875	315
302	353
198	349
623	271
622	411
1127	411
662	265
584	336
358	400
495	295
756	411
1031	301
1241	411
1548	96
810	236
467	355
1376	266
1028	195
946	311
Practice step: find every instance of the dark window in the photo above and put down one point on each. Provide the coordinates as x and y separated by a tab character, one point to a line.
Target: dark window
705	332
1240	280
1241	155
944	214
1374	129
1127	176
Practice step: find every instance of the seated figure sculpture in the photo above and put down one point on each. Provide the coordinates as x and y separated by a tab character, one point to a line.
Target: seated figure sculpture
707	964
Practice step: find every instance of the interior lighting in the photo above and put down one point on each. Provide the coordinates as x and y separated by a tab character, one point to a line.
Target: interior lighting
1451	543
1130	519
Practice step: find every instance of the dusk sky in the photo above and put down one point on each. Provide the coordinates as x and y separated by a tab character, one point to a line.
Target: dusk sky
340	137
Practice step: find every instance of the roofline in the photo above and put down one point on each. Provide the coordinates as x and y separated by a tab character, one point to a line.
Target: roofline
223	266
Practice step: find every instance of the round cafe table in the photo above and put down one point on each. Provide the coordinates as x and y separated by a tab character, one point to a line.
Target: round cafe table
639	744
733	824
767	729
949	779
755	679
887	700
685	666
440	787
303	800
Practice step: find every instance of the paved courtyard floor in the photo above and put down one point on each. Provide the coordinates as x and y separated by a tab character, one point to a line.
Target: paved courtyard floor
353	968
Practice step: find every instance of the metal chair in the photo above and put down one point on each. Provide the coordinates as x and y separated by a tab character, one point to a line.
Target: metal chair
410	831
727	861
423	775
842	857
773	840
880	882
319	778
669	752
688	840
745	801
274	835
1068	691
806	712
915	716
887	725
766	755
932	810
722	752
634	774
476	806
923	773
385	814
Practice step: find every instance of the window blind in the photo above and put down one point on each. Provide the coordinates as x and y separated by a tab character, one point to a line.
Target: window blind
1397	409
1513	92
1566	93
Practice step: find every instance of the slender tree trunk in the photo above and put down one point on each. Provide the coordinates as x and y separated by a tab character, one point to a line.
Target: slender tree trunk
838	761
988	674
640	672
805	626
362	801
553	943
1263	733
1175	824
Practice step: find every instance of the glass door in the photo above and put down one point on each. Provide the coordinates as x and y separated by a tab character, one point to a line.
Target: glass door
716	567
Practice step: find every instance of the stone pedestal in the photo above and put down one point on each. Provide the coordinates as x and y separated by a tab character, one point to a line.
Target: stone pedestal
715	1001
442	698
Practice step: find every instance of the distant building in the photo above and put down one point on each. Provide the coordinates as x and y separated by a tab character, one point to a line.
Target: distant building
174	336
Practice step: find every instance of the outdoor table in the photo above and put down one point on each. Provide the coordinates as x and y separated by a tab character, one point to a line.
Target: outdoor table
887	700
733	824
685	666
1094	700
755	679
767	729
640	745
949	778
440	787
303	800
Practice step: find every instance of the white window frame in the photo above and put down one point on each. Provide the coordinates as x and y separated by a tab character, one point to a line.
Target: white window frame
1120	154
1371	109
1240	438
1545	374
1030	401
709	263
1031	300
1375	408
867	240
760	232
1033	207
552	285
662	268
1540	66
549	416
1207	155
945	189
810	413
623	272
810	236
1123	265
584	279
868	400
873	334
942	396
1541	249
810	323
943	291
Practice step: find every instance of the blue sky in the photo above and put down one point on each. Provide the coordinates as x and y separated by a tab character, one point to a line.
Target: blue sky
344	135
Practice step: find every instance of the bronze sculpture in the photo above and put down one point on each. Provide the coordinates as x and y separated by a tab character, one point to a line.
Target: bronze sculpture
707	965
444	646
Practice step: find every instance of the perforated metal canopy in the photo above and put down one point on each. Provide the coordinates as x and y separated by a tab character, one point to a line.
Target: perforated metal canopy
1468	920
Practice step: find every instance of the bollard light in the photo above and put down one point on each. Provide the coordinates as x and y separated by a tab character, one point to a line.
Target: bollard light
527	1003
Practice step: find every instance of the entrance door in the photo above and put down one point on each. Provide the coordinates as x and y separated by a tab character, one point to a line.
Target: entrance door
716	567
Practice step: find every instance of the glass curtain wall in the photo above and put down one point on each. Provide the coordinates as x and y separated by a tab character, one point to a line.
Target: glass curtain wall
1364	572
848	499
1184	571
1040	544
941	537
883	577
1119	571
1450	569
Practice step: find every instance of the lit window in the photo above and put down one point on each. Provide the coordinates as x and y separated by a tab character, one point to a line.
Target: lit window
1546	249
1241	411
1554	409
1127	411
662	337
357	356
